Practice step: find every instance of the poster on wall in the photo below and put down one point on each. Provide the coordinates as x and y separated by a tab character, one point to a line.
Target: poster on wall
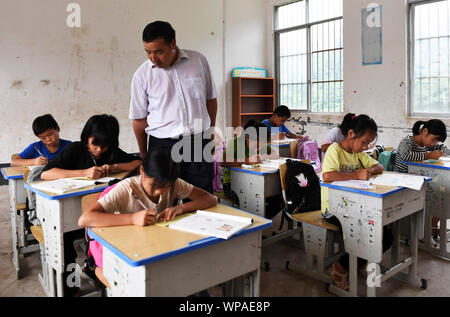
371	34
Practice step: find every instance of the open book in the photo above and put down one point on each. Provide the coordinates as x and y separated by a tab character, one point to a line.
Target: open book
64	185
212	224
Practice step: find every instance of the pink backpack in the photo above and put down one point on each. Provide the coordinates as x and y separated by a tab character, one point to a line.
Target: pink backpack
95	248
309	150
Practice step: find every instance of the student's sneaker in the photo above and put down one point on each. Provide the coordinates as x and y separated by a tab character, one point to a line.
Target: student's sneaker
339	279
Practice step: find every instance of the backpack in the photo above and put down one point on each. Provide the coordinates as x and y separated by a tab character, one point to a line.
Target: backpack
377	151
302	189
300	147
308	150
387	159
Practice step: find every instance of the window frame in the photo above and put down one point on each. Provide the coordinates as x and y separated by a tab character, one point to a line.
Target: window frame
308	25
410	63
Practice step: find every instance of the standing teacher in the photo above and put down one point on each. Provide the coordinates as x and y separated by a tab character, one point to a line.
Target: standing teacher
170	91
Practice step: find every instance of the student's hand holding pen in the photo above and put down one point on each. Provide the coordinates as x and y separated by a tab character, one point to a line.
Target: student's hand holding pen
144	217
170	213
363	174
434	155
94	172
41	160
107	169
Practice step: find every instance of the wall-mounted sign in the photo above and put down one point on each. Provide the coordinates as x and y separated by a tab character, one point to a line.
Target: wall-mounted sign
371	29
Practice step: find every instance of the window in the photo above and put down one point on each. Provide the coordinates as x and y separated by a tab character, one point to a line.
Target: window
429	58
309	55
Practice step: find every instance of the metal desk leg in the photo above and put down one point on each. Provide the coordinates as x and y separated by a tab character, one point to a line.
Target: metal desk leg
395	250
413	224
51	281
59	284
353	275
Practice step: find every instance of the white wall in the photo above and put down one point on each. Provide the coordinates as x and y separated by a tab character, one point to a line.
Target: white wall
377	90
47	67
245	40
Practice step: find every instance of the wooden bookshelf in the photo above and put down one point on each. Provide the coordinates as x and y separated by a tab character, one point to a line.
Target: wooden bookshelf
253	98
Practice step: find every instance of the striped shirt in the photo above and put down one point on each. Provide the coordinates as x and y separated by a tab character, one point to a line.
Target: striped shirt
408	150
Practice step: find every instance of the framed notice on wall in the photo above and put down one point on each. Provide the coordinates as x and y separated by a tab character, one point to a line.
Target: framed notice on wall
371	28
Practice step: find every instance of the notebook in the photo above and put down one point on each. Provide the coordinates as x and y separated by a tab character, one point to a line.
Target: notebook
212	224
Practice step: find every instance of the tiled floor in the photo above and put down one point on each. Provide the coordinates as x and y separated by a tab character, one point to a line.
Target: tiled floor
276	282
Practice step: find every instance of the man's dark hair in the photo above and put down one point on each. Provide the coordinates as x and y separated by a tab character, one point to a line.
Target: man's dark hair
282	111
158	29
104	129
43	123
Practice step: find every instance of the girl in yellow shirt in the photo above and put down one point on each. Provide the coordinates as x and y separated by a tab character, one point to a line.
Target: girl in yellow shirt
345	161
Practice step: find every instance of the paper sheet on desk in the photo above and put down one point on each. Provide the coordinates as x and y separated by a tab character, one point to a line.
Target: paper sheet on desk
397	179
445	158
353	183
285	140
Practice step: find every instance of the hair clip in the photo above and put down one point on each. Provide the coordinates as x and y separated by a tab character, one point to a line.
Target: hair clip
353	117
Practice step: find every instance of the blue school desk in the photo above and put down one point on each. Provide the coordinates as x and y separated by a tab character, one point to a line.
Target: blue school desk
284	149
159	261
59	214
253	186
362	214
17	199
437	203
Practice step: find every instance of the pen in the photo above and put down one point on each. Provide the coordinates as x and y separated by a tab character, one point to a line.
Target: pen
143	206
93	159
38	151
361	164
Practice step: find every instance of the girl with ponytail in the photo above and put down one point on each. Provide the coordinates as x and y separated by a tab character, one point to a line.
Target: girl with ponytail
425	143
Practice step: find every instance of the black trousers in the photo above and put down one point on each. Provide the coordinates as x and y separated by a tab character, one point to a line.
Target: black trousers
345	259
200	174
70	255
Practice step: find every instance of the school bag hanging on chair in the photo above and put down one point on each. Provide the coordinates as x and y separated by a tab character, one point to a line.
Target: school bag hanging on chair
302	188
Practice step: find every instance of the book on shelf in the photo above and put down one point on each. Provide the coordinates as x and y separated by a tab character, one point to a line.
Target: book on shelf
212	224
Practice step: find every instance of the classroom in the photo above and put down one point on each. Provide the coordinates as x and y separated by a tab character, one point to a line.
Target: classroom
377	72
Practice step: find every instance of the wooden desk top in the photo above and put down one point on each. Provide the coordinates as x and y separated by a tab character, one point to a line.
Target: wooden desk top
437	164
78	192
15	172
142	245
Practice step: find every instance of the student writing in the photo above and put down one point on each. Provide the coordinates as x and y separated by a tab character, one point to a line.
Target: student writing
50	145
95	156
251	147
347	160
277	126
157	187
425	143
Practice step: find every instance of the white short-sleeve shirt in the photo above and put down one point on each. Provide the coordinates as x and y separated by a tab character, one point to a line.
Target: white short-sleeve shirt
334	135
173	98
